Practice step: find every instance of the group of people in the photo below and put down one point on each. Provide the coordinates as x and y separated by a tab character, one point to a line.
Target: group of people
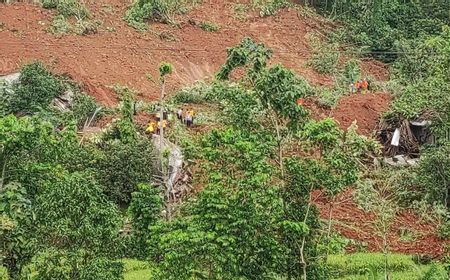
186	117
360	86
154	125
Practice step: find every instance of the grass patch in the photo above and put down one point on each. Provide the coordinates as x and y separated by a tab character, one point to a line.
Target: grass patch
209	26
137	270
270	7
240	11
371	266
67	9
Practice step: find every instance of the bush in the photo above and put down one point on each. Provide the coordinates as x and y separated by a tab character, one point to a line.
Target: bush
209	26
123	166
196	94
59	25
3	273
36	88
444	231
328	98
83	108
156	10
6	98
145	211
87	27
68	8
325	56
270	7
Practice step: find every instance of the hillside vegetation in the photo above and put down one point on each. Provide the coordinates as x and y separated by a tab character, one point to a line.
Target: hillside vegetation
270	184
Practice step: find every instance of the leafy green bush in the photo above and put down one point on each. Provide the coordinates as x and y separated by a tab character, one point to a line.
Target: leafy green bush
86	27
83	108
196	94
145	211
68	8
325	56
156	10
444	231
6	98
3	273
59	25
328	98
270	7
123	166
36	88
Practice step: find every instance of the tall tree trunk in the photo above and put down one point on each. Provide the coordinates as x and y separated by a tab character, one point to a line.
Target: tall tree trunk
165	179
302	248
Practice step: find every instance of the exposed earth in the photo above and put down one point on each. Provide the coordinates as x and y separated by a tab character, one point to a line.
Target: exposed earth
118	54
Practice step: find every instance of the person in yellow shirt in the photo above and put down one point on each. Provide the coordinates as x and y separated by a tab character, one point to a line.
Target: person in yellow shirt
151	128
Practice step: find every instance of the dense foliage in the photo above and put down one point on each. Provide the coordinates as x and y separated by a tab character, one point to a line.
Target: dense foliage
156	10
57	193
382	25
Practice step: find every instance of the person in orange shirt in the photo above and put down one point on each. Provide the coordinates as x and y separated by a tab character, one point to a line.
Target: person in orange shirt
358	86
364	86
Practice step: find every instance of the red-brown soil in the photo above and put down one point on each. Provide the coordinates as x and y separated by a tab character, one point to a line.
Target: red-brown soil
356	224
125	56
366	110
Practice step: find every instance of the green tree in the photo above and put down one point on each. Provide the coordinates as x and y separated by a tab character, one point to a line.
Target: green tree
120	167
15	134
36	88
246	53
16	227
230	231
76	227
145	210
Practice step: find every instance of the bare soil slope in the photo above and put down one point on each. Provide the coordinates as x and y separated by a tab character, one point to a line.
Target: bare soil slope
124	56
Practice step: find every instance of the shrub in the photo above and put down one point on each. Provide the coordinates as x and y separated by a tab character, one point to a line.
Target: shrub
6	97
328	98
270	7
86	27
123	166
59	25
3	273
68	8
145	211
444	230
36	88
196	94
325	56
156	10
210	27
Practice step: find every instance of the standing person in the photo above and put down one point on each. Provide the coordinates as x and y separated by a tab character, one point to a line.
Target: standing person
188	119
364	86
358	86
191	112
151	128
180	114
352	88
